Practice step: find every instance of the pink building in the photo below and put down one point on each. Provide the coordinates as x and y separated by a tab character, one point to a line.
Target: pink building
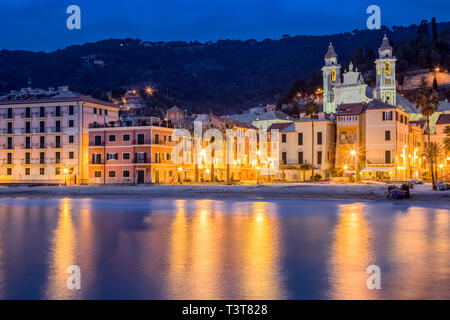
128	155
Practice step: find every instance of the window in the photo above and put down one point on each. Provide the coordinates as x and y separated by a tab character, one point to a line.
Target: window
319	157
387	135
112	138
27	158
387	115
42	157
42	112
27	142
283	158
126	156
28	127
98	140
167	156
333	75
112	156
10	143
58	142
42	126
42	142
70	139
28	112
41	171
300	138
70	123
57	157
9	158
10	128
387	157
126	137
9	171
100	111
58	126
300	158
57	171
96	158
70	110
95	110
283	138
111	174
170	138
58	111
10	113
156	138
27	171
98	174
71	155
319	138
125	173
140	139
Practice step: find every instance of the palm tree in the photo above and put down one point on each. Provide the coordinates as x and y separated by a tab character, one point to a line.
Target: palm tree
428	102
434	153
447	138
311	110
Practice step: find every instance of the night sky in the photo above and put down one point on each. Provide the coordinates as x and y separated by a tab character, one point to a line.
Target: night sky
40	25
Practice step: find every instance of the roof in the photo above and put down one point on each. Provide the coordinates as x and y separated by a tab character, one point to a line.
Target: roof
279	126
274	115
444	118
67	96
377	104
330	53
174	108
407	105
239	124
350	109
418	123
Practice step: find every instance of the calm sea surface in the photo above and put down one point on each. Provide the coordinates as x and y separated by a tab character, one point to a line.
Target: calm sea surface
222	249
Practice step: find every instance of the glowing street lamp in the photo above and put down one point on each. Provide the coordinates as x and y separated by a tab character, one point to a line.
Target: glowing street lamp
65	176
440	167
149	90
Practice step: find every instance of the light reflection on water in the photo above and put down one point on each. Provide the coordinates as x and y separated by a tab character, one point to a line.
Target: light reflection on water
211	249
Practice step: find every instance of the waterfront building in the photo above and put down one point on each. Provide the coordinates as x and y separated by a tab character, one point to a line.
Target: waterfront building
44	135
296	139
387	142
128	155
444	163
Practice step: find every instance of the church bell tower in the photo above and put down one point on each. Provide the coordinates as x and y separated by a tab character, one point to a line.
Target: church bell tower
385	69
331	77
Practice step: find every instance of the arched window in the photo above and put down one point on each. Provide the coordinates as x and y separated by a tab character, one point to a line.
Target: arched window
388	68
333	75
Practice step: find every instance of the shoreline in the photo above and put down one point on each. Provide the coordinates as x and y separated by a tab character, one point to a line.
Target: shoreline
290	191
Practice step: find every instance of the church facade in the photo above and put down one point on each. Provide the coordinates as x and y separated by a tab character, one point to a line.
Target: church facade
350	87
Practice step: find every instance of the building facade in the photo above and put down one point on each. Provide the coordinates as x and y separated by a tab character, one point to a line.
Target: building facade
44	135
129	155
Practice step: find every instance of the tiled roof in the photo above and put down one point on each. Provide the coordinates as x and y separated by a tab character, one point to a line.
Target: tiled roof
350	108
418	123
279	126
444	118
377	104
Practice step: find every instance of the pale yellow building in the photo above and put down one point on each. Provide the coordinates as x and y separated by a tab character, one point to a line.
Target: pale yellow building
295	148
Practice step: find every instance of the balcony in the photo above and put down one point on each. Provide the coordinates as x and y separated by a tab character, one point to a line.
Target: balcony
96	144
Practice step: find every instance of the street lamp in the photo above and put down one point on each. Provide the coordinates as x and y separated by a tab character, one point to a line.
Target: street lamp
441	166
65	176
345	173
353	153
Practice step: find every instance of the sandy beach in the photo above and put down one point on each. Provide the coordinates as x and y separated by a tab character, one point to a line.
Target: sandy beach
364	192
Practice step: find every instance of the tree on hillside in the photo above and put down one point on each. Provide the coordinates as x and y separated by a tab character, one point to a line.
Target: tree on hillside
311	110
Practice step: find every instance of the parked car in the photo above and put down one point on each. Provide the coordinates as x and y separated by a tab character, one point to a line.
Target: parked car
419	182
441	185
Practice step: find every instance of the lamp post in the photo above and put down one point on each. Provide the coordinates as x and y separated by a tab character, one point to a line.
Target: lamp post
440	167
65	176
345	173
353	153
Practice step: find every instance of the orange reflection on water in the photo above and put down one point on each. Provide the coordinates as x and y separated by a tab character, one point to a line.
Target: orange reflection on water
351	255
420	249
212	253
63	246
261	276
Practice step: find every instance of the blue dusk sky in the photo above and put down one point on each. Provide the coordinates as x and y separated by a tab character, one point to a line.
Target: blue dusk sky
40	25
